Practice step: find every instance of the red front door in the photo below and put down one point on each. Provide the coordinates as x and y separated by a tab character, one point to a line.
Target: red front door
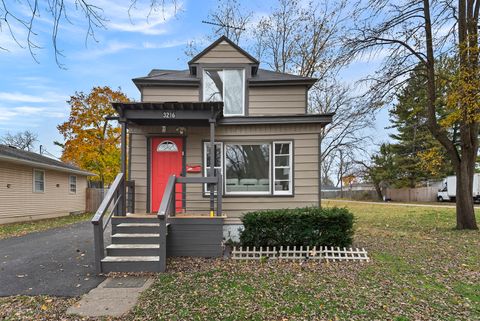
166	161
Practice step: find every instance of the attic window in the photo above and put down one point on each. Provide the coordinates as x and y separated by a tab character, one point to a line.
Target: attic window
227	85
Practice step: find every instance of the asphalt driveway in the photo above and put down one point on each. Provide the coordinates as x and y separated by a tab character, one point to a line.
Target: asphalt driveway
57	262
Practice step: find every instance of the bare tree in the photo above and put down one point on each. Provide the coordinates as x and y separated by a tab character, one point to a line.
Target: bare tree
22	140
301	38
229	19
412	32
20	19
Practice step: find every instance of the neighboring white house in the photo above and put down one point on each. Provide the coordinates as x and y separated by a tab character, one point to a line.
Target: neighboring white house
35	187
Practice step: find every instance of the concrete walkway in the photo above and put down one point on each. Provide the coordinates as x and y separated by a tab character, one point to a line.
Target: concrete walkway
113	297
57	262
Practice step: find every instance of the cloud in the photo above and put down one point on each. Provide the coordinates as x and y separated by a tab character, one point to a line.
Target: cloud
27	98
165	44
141	18
110	47
8	114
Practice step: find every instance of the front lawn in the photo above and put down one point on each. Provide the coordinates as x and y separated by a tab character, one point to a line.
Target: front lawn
421	269
22	228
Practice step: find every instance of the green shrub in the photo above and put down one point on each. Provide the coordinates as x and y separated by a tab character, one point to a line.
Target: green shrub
309	226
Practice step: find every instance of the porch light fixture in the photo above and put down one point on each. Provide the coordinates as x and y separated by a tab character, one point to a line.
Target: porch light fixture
181	130
164	129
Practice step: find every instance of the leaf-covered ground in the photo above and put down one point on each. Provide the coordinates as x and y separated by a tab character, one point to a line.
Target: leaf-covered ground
18	229
421	269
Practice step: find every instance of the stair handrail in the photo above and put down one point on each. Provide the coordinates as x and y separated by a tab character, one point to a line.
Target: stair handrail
167	208
98	219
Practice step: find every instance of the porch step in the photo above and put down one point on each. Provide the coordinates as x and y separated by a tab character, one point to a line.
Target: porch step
137	228
134	219
133	249
130	264
135	238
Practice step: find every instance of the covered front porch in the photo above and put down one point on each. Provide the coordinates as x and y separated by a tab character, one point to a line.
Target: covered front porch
141	240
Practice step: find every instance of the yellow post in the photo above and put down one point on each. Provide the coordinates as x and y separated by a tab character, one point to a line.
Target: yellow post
212	214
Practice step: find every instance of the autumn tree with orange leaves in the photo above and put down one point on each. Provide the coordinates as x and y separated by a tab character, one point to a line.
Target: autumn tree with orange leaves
91	141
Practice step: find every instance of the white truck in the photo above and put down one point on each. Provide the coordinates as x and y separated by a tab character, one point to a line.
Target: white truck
449	190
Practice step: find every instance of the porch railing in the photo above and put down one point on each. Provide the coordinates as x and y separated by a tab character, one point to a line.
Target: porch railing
168	206
112	204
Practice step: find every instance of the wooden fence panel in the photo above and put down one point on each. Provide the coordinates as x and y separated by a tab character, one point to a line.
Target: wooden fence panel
94	198
419	194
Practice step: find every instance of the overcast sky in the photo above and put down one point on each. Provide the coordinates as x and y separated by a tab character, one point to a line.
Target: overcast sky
33	95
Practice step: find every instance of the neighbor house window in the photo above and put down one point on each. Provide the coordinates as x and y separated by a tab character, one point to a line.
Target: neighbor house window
218	160
38	181
282	168
227	85
247	168
73	183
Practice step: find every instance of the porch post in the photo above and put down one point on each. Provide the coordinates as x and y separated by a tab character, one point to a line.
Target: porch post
123	186
211	172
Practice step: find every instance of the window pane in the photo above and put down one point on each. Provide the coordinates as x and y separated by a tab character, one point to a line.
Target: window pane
218	154
282	186
282	160
233	103
247	168
212	85
38	176
38	186
282	173
282	149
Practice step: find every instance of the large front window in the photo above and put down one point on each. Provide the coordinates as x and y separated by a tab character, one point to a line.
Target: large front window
247	168
225	85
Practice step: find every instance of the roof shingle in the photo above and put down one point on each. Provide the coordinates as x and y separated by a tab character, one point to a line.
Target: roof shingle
15	153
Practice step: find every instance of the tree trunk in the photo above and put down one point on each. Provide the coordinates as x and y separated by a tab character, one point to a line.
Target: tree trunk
464	198
378	190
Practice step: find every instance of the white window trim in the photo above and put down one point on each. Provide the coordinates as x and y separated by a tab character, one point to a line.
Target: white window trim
290	167
206	146
70	184
44	181
269	192
223	88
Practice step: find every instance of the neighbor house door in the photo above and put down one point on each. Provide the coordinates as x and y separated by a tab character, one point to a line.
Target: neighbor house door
166	161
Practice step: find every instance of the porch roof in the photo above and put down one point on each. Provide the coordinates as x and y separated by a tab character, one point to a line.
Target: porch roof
170	113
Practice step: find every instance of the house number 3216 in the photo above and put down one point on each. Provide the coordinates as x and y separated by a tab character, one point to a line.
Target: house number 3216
168	114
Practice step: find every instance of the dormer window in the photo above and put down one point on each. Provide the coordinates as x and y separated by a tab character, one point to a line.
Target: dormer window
227	85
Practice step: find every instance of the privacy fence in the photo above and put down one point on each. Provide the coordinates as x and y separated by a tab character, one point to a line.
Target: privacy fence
419	194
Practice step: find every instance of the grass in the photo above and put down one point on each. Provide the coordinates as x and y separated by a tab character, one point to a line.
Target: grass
18	229
421	269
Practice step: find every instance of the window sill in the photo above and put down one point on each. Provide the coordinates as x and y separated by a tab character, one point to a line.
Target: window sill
253	195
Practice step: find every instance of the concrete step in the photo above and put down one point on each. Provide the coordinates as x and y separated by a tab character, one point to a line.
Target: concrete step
137	228
130	264
135	238
133	249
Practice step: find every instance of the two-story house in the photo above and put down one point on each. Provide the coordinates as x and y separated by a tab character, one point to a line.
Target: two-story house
250	124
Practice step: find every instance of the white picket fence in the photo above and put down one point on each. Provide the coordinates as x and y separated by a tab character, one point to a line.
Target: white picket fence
327	253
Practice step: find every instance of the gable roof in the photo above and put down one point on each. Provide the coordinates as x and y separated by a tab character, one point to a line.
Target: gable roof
14	155
216	43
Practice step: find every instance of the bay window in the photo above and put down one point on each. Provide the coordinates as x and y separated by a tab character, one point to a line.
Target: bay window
227	85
